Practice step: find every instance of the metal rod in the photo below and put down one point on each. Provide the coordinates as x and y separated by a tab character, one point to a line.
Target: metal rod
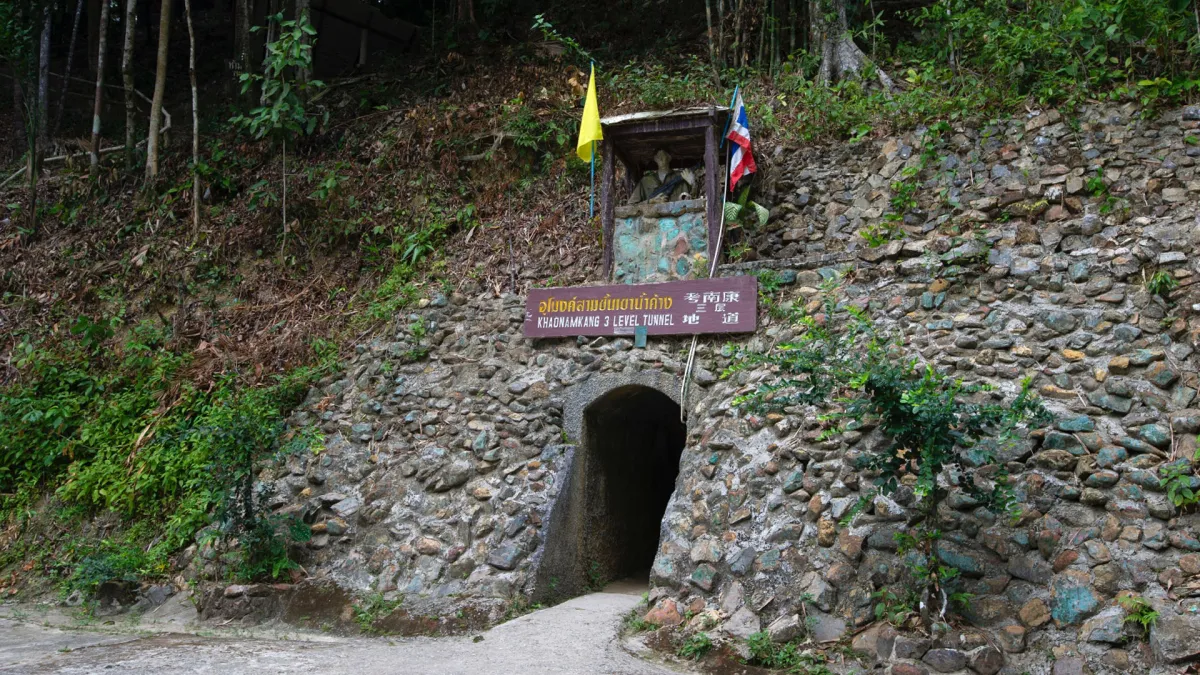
712	269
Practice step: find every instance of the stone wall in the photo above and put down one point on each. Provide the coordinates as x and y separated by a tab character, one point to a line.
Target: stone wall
440	479
659	241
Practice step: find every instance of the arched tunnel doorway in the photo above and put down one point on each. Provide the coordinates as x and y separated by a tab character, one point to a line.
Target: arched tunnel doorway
608	517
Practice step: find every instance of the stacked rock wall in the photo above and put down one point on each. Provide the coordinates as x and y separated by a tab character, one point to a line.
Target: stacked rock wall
1028	256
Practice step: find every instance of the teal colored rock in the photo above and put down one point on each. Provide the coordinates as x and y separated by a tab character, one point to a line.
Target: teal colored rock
1080	423
1120	387
1161	375
1126	333
971	563
1110	402
769	560
1072	600
1056	440
1182	397
481	442
1134	444
1185	540
1091	440
1102	479
1144	357
505	557
1078	271
1060	322
794	482
664	568
1131	493
787	277
1110	456
1157	435
704	576
1144	478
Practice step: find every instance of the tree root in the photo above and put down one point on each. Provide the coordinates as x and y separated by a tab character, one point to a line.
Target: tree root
841	59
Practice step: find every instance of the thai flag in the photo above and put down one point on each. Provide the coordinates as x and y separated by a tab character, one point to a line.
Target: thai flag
742	162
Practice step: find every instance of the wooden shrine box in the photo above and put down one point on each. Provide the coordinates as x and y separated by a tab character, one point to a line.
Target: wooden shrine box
692	137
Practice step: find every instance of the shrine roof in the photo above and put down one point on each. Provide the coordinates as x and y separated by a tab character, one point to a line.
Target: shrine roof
637	136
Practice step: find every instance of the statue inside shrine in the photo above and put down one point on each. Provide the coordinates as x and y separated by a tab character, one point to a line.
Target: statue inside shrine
664	184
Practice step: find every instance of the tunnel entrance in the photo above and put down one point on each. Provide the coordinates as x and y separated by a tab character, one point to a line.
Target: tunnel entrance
608	516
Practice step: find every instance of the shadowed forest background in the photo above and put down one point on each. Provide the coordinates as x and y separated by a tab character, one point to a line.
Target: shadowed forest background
206	203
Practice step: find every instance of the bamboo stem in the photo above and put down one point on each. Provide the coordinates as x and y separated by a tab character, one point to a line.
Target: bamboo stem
94	163
187	6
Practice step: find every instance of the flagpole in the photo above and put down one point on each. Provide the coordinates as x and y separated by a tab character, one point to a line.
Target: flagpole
729	120
592	199
712	267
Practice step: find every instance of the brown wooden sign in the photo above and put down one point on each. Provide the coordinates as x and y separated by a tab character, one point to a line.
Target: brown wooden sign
724	305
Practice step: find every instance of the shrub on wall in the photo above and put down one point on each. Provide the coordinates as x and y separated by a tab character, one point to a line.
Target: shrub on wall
939	431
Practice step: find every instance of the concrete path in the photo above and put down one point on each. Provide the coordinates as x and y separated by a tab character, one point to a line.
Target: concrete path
578	636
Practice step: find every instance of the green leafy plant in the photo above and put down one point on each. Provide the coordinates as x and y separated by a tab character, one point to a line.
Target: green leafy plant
745	213
550	34
635	623
1181	483
695	647
596	579
1139	612
1161	283
372	607
283	113
787	656
892	607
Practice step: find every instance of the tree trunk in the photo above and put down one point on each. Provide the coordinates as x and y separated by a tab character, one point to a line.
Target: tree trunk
62	100
127	79
93	17
94	165
712	44
302	16
273	9
242	35
841	59
43	95
738	38
160	86
721	53
187	8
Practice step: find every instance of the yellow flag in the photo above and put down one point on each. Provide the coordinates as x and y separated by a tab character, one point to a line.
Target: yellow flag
589	127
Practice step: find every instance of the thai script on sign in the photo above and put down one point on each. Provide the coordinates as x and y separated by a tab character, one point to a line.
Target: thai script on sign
605	304
726	305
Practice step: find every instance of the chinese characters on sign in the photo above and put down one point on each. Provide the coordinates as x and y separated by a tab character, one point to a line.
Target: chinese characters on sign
725	305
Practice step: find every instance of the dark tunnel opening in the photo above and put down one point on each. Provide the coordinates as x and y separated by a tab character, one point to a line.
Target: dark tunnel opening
633	439
608	521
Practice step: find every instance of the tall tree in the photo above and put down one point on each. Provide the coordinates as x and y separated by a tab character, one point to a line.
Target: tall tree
160	87
242	36
127	79
43	96
36	127
94	164
187	8
62	99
